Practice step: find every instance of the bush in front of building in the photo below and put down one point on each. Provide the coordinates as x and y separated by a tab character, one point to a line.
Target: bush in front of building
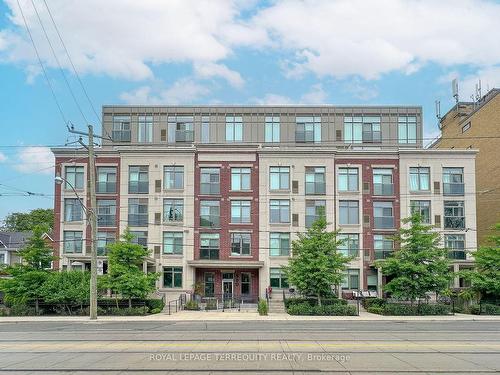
192	305
484	309
373	302
155	304
338	309
262	307
313	301
402	309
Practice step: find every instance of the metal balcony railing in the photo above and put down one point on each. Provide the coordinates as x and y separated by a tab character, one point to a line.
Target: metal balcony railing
454	222
106	220
383	189
385	222
454	188
138	220
212	254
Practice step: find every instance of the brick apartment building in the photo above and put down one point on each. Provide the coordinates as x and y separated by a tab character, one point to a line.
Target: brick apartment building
218	193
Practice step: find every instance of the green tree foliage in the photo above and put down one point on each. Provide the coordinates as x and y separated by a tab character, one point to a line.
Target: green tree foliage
420	266
66	288
23	287
25	222
37	254
125	275
316	265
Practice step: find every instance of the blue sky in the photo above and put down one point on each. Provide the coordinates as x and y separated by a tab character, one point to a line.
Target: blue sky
245	52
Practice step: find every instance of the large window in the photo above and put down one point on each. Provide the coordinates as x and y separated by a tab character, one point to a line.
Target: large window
453	181
272	129
279	211
382	181
138	180
73	242
455	243
234	129
423	208
365	129
348	179
73	210
173	242
209	181
103	240
205	129
407	129
371	131
383	246
240	178
246	283
74	177
140	238
348	212
454	215
350	244
173	176
383	215
173	210
314	210
308	129
180	129
138	212
145	129
315	181
279	244
172	277
240	243
106	180
106	213
209	283
210	214
121	128
278	278
209	245
279	178
350	279
420	179
240	211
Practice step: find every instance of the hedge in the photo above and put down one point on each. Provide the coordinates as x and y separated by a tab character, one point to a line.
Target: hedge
485	309
408	310
375	302
312	301
305	308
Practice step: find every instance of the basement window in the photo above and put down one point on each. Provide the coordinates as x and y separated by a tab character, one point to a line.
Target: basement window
466	127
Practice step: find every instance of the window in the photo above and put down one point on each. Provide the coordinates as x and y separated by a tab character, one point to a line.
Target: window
349	212
315	181
103	240
454	215
209	246
3	259
173	242
205	129
240	243
279	244
173	210
106	180
272	129
279	178
209	281
240	178
138	180
423	208
121	128
138	212
453	181
383	246
73	242
180	129
383	215
407	129
455	243
314	210
308	129
419	179
145	129
140	238
246	281
278	278
466	127
172	277
350	245
382	181
73	210
210	214
234	129
365	129
240	212
74	178
348	179
106	213
173	177
350	279
279	211
209	181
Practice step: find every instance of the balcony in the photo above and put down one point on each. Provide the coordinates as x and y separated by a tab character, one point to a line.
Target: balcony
184	136
101	251
121	135
138	220
383	254
106	220
383	189
106	187
454	222
139	187
349	252
304	136
384	222
453	188
210	221
457	254
315	188
209	188
211	254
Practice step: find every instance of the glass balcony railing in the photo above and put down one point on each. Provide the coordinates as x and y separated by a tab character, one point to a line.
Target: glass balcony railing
184	136
349	252
106	187
106	220
315	188
454	222
457	254
210	188
304	136
210	221
212	254
453	188
121	135
139	187
383	189
383	254
385	222
138	220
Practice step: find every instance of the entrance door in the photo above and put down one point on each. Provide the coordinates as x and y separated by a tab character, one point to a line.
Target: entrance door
227	285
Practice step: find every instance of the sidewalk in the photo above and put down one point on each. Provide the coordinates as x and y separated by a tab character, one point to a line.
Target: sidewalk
224	316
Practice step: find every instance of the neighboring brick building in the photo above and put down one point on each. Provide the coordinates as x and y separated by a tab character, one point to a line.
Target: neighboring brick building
219	193
476	125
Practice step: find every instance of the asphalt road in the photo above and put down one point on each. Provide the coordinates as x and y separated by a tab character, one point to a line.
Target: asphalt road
251	347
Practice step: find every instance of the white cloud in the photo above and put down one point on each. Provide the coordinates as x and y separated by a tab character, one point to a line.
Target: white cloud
209	70
35	159
360	90
3	157
490	77
316	95
270	99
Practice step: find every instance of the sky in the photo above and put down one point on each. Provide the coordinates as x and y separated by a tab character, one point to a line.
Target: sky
223	51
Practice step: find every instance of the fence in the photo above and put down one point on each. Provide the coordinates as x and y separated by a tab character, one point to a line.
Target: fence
222	301
324	300
105	307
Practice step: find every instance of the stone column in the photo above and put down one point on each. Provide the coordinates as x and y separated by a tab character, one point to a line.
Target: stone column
379	282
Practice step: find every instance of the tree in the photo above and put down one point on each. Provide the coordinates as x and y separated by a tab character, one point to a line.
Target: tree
37	254
23	287
420	266
25	222
125	275
316	265
67	288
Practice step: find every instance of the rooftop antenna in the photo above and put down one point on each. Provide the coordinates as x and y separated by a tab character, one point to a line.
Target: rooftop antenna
438	109
479	89
454	89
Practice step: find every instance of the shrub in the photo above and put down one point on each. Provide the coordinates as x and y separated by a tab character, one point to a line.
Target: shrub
155	303
312	301
375	302
440	309
422	309
21	310
300	309
211	304
129	311
262	307
191	305
155	311
475	309
376	310
485	309
338	309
